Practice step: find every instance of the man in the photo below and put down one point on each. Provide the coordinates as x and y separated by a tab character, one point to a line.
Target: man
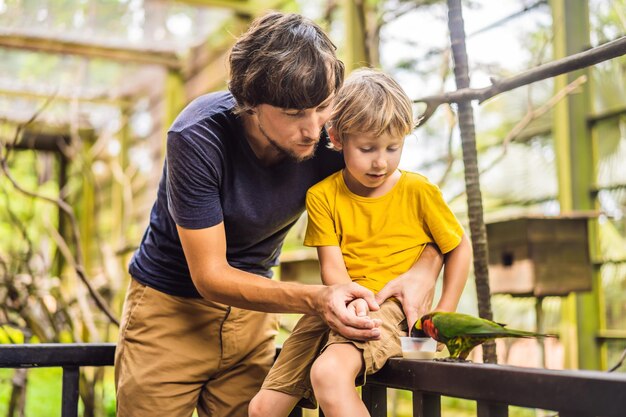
195	330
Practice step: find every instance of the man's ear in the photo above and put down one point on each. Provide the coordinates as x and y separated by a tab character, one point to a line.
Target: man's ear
332	134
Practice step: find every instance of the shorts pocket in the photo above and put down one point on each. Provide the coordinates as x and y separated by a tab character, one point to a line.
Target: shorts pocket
132	306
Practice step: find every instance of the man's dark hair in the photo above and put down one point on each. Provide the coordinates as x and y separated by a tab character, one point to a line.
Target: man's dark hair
284	60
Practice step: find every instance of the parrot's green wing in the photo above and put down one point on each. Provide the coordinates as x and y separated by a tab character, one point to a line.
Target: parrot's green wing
452	325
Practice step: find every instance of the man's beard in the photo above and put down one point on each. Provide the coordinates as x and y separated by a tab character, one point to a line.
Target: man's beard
288	152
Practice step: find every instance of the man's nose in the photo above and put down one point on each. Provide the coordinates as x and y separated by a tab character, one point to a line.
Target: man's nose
312	126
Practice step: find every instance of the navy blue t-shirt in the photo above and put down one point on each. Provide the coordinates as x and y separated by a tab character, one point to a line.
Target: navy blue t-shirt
212	175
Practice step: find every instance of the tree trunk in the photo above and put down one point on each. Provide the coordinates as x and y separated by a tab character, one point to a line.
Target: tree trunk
86	389
17	402
472	179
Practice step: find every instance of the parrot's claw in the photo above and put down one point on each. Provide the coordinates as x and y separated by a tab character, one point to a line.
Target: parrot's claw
452	360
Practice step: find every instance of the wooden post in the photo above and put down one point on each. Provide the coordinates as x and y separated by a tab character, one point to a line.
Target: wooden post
490	409
375	399
120	208
62	226
69	405
575	156
355	29
87	211
478	231
426	405
174	100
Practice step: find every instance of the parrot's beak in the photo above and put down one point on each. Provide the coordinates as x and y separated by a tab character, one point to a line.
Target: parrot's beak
416	330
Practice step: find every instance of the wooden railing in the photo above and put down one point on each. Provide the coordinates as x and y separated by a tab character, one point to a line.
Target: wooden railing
70	357
494	387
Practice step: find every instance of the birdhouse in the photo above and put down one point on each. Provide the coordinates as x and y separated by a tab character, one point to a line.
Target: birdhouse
300	266
539	256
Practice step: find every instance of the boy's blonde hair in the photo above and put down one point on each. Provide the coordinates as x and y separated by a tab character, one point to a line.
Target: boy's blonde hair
371	102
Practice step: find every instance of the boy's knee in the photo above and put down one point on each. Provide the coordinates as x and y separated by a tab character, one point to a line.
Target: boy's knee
323	371
338	365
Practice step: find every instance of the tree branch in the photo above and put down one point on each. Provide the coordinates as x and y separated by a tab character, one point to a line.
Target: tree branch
571	63
67	210
77	263
619	363
532	115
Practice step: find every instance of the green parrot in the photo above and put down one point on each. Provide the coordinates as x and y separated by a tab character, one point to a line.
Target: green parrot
461	332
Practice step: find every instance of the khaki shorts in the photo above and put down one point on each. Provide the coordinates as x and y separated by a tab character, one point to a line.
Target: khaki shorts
291	372
176	354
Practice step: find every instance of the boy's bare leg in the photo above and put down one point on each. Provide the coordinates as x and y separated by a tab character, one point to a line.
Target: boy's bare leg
332	377
268	403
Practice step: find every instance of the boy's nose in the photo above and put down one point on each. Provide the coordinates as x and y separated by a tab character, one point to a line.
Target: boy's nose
379	162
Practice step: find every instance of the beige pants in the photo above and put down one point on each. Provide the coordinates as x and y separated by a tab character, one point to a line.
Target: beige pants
291	372
176	354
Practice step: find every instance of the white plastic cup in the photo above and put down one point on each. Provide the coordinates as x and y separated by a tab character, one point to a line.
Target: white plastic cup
418	347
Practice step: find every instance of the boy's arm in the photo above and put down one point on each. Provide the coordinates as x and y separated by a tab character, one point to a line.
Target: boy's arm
416	287
455	275
332	266
334	272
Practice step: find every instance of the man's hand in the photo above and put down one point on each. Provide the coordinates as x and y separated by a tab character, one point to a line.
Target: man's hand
416	287
337	306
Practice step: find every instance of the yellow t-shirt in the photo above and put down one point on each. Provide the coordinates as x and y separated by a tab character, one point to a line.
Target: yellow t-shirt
380	238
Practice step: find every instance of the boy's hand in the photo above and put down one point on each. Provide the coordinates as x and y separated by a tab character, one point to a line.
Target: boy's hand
415	288
415	293
359	307
333	307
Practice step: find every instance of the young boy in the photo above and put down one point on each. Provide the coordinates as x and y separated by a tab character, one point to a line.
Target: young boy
370	223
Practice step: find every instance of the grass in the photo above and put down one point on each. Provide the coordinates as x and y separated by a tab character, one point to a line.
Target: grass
43	392
450	407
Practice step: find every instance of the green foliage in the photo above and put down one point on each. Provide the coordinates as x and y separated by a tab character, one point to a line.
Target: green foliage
38	65
65	337
609	81
5	389
43	394
23	217
108	392
607	19
10	335
450	407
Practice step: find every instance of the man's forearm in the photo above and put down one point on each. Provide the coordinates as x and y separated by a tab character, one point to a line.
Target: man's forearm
237	288
216	280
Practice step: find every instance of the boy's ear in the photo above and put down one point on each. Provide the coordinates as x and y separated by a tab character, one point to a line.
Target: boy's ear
332	134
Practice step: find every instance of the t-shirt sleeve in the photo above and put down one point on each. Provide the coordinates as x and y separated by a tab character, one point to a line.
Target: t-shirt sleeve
320	229
439	220
193	181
